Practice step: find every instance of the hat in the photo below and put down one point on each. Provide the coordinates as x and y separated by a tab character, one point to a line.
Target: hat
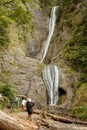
29	99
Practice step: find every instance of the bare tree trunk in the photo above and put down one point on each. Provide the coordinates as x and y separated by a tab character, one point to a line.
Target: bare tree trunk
8	122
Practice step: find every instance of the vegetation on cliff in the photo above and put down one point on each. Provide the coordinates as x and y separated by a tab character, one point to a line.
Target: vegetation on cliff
72	21
7	90
11	12
74	17
15	24
75	48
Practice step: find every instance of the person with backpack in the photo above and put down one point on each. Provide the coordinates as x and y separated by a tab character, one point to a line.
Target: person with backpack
29	107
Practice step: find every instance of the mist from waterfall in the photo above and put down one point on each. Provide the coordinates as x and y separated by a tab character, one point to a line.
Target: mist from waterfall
51	30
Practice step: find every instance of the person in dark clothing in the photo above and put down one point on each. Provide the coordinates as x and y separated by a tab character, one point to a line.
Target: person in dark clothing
29	108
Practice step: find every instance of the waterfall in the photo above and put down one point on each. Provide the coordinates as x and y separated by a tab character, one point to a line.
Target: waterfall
51	30
51	72
51	80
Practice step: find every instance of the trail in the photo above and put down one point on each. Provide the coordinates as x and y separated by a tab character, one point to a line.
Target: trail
47	123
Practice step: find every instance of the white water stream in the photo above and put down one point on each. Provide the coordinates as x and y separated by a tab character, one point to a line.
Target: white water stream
51	30
51	79
51	72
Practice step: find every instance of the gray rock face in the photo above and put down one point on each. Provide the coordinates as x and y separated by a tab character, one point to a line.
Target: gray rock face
36	43
22	72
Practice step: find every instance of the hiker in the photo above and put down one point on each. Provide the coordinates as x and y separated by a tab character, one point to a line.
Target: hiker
24	104
29	108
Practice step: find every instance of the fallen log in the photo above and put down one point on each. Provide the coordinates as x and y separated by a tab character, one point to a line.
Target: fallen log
66	120
9	122
61	118
51	125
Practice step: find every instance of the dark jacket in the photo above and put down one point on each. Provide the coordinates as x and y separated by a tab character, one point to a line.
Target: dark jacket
29	106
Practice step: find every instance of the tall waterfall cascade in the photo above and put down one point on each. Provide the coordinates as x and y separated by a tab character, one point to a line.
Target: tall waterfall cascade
51	72
51	30
51	80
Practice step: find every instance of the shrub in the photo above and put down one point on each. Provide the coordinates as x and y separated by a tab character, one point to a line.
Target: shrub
80	112
21	15
7	90
81	95
4	103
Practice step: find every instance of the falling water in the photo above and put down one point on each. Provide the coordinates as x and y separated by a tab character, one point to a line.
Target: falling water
51	72
51	30
51	80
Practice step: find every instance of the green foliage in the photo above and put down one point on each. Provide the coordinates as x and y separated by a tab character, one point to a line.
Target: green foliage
77	55
17	11
81	95
80	109
76	47
8	93
83	77
70	70
4	22
4	103
67	4
47	4
14	11
67	19
73	23
80	112
7	90
20	14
